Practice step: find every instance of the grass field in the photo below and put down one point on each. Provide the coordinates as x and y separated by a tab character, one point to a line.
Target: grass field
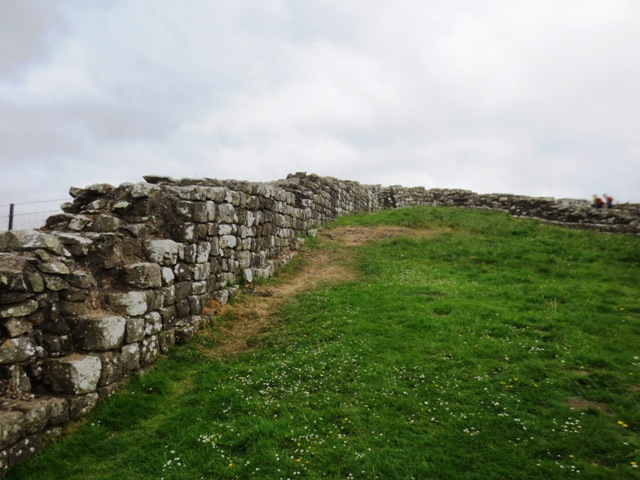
475	346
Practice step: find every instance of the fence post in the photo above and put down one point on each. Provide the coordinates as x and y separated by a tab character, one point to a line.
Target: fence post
11	205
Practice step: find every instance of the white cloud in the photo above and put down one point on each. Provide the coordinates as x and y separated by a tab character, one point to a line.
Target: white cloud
515	96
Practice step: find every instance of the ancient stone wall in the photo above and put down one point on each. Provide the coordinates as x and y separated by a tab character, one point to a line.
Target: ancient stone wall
127	272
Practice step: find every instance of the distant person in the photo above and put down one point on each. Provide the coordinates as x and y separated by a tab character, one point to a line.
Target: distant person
609	200
597	201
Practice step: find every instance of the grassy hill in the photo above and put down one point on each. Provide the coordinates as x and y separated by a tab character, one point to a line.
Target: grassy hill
425	343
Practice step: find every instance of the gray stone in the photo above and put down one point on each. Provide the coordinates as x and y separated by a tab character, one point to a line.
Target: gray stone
12	428
12	273
226	214
166	340
135	329
80	405
55	283
106	223
129	303
202	252
74	374
167	276
36	412
59	410
79	246
153	323
204	212
112	368
149	350
81	279
79	222
228	241
162	252
14	327
143	275
55	267
21	240
99	333
130	355
16	350
19	310
143	190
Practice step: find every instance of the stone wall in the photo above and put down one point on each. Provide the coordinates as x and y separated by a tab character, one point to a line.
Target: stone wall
127	272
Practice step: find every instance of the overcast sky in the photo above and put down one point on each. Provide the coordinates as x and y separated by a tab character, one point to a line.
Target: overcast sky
530	97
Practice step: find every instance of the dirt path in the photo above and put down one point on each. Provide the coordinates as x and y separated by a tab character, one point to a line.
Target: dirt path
251	314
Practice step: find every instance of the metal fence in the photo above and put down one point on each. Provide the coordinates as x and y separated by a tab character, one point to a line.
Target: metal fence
28	215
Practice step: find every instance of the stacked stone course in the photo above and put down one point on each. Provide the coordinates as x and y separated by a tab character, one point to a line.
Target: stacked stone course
127	272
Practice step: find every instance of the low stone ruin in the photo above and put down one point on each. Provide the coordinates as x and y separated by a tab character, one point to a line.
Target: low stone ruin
127	272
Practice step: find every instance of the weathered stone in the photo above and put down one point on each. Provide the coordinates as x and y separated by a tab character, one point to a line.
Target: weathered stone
13	427
167	276
166	340
135	329
21	240
130	355
37	413
129	303
59	410
182	309
121	207
79	222
226	214
79	246
12	273
55	267
162	252
99	333
112	368
185	232
183	272
168	317
16	350
204	212
80	405
143	190
72	294
14	327
73	309
183	290
55	283
153	323
74	374
199	288
20	310
82	279
143	275
228	241
149	350
184	334
203	251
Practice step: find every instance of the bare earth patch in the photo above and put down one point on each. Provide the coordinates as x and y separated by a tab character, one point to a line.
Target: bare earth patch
250	315
579	404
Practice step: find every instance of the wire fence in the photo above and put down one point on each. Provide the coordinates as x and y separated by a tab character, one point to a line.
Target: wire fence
28	215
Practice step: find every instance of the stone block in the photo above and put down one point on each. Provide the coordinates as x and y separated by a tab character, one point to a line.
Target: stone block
74	374
182	291
14	327
185	232
82	279
149	350
79	246
166	340
29	240
13	427
129	303
99	333
167	276
144	190
162	252
37	413
226	214
182	309
168	317
153	323
112	368
130	356
228	241
16	350
19	310
80	405
143	275
54	266
204	212
59	410
135	329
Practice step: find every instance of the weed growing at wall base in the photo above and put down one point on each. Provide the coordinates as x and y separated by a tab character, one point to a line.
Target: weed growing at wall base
494	348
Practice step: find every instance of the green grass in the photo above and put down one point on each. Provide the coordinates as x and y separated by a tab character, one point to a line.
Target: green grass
453	357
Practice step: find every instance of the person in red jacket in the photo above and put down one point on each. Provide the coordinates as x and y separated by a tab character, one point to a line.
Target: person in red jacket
597	201
609	200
